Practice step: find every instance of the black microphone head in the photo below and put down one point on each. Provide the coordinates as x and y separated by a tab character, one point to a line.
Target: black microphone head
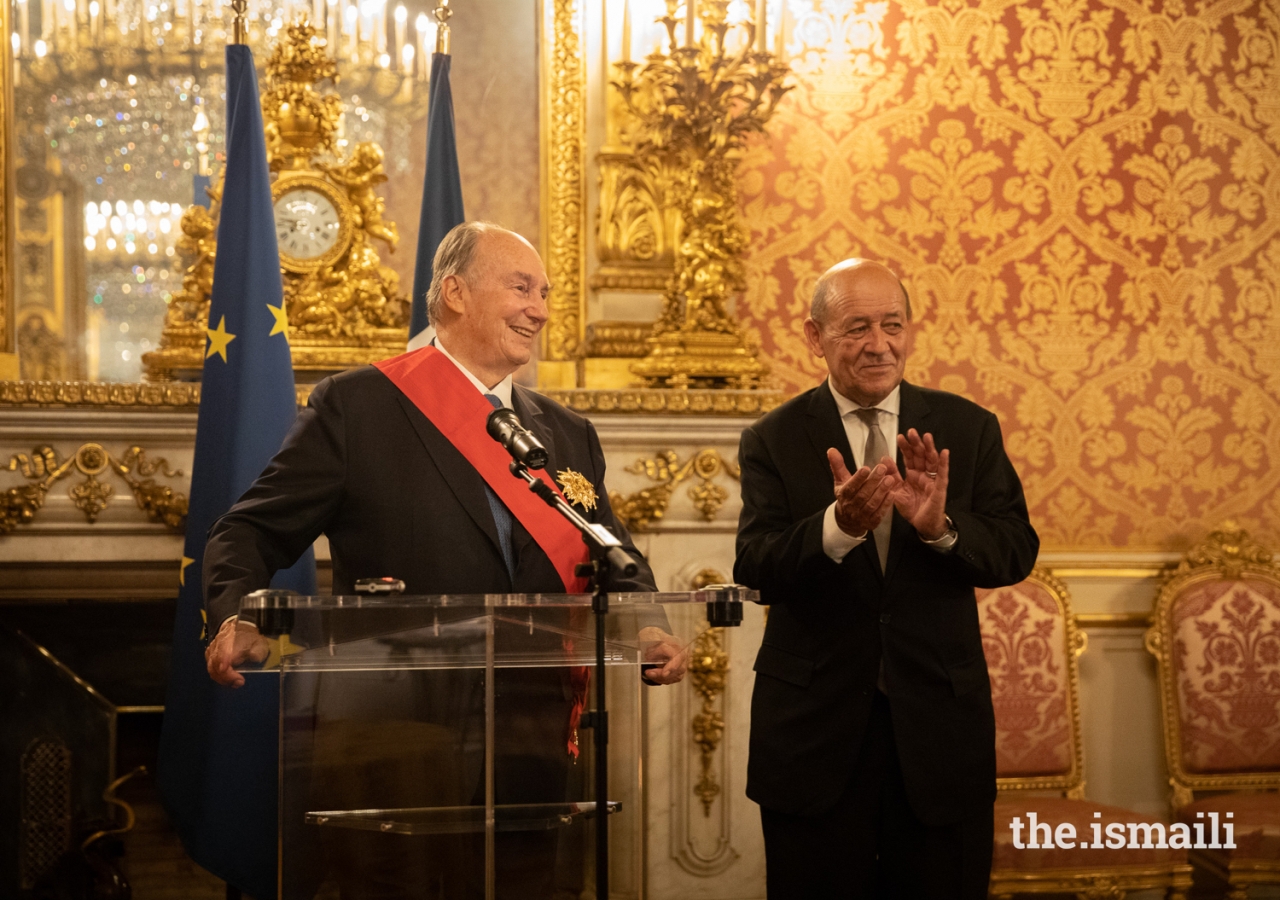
500	422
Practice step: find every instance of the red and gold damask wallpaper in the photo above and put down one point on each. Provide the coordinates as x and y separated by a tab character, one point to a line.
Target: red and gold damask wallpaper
1082	197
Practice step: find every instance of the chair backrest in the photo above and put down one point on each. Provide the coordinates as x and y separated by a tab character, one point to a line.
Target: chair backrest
1216	639
1031	643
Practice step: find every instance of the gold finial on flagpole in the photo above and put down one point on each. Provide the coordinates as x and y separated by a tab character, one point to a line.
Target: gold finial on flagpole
442	14
239	27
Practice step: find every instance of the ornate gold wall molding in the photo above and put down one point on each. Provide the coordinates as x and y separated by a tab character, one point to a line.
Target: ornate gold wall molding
654	401
42	469
709	673
100	394
564	197
641	510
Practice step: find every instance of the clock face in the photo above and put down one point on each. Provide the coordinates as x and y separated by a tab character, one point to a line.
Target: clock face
307	223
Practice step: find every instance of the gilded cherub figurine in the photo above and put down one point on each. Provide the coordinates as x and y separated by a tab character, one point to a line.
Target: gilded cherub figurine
359	176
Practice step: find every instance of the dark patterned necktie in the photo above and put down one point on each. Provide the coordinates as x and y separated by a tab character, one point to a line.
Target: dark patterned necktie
501	515
876	448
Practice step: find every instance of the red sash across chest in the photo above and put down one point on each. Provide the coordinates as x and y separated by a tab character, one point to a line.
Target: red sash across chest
453	405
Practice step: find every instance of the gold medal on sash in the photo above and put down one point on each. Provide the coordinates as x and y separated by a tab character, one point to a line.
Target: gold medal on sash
576	488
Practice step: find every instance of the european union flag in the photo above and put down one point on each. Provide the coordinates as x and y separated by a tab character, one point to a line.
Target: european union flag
218	750
441	194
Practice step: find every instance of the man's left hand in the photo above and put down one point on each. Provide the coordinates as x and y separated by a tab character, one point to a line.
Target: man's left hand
922	498
664	650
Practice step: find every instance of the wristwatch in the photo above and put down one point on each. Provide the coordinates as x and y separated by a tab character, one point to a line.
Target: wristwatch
944	540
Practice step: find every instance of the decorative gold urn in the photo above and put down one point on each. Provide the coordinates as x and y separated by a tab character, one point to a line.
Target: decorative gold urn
345	307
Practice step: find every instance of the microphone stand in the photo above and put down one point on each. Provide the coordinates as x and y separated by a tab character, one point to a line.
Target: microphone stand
606	556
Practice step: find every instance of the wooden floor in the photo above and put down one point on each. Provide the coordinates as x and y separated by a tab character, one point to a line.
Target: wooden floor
154	862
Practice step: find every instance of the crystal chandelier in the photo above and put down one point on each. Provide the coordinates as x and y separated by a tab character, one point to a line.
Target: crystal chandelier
62	42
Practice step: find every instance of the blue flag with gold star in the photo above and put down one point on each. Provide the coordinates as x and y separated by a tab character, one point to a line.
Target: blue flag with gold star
218	749
441	195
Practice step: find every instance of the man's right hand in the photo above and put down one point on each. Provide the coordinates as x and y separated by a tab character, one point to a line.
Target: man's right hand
236	643
866	496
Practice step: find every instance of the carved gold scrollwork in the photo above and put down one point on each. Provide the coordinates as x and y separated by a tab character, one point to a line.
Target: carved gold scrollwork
709	671
43	469
1229	547
640	510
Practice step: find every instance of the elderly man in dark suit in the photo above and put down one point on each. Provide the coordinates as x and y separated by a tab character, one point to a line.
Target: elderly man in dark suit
391	462
872	733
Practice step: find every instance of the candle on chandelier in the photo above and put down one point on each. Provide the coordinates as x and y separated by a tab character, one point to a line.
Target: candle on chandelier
317	15
761	44
690	14
626	30
24	28
424	62
380	28
95	18
402	23
332	25
46	20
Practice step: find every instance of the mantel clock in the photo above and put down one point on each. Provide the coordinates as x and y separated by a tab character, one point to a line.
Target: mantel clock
344	306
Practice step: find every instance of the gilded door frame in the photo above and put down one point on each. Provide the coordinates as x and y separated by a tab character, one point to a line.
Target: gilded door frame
563	201
8	337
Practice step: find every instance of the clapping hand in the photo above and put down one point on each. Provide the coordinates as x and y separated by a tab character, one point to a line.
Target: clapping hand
866	496
921	497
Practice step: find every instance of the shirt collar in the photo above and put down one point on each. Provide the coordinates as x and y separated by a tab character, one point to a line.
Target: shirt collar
890	404
501	390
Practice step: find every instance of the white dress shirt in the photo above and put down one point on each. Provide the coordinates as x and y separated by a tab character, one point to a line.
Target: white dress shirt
501	390
835	543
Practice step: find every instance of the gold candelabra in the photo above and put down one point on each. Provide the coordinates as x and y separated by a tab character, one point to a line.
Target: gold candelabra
693	108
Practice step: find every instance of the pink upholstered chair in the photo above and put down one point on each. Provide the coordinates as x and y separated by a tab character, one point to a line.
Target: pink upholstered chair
1032	644
1216	639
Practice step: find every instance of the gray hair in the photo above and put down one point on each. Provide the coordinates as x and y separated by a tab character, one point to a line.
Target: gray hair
823	290
454	257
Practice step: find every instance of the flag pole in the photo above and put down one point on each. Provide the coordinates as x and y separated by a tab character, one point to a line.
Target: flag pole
239	27
442	14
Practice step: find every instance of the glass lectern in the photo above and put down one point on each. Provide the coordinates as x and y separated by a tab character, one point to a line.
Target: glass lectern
442	747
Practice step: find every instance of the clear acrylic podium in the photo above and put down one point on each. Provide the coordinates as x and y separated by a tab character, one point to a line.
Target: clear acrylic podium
443	746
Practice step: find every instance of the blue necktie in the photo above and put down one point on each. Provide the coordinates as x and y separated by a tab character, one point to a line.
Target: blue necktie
501	515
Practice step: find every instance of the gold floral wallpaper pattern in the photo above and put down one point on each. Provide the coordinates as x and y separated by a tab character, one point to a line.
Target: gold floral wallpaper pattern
1082	197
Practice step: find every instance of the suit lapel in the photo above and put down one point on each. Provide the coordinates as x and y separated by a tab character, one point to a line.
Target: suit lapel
460	475
826	430
913	412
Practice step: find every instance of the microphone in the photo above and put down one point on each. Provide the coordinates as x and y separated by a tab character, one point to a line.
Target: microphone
504	427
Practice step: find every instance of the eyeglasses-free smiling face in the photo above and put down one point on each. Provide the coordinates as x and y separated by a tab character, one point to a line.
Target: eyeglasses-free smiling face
503	305
865	335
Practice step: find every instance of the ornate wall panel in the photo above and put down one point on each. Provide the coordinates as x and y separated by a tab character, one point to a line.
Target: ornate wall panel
1083	198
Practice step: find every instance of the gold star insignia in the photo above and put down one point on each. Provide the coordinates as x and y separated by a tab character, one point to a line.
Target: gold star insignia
576	488
218	339
282	321
182	570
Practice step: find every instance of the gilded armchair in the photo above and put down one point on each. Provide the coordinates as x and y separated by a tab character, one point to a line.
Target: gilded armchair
1216	639
1032	645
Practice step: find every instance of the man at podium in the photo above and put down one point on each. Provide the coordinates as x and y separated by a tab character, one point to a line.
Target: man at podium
392	463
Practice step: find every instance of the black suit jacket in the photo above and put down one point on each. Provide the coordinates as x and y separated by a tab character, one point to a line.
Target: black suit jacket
830	623
365	467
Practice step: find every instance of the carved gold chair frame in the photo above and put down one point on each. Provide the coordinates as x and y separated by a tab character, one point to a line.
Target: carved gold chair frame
1098	883
1071	783
1228	553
